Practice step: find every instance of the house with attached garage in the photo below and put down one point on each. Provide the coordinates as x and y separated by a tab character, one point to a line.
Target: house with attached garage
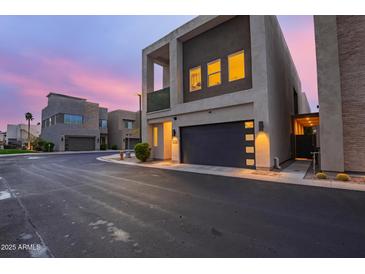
230	94
74	124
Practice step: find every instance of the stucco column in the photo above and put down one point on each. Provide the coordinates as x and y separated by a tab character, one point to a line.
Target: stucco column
147	86
259	82
176	72
329	93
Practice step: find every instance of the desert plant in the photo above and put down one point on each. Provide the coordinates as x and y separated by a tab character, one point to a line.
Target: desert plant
343	177
321	175
143	151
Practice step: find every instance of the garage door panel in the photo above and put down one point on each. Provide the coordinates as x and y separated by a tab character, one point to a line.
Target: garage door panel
216	144
73	143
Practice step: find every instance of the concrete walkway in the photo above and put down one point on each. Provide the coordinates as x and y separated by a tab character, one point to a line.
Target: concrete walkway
293	174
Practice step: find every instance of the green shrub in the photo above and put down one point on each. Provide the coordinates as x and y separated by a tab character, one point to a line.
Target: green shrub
343	177
103	147
48	147
321	175
142	151
114	147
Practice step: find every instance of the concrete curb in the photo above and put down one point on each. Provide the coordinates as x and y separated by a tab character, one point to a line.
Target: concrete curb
282	178
57	153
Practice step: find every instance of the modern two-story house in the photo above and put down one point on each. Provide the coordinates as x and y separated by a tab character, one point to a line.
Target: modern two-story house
123	128
74	124
230	92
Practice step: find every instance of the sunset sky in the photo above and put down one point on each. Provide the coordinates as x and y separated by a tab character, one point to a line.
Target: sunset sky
99	58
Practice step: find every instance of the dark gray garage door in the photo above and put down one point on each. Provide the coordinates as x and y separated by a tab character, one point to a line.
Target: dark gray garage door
73	143
225	144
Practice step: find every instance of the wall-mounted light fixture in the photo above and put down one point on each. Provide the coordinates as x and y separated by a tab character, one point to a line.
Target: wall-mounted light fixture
261	125
61	139
175	118
97	140
173	132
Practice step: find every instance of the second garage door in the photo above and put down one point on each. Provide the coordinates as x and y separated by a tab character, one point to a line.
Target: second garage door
224	144
77	143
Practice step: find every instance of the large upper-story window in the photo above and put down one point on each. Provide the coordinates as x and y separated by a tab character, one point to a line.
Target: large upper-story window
128	124
103	123
214	73
195	79
72	119
236	66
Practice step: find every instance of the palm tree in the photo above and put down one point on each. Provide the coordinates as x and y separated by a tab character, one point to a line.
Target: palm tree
29	117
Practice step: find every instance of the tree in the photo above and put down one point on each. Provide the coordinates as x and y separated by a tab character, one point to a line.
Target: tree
29	117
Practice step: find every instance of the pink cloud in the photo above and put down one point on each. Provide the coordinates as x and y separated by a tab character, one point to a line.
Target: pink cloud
65	76
301	43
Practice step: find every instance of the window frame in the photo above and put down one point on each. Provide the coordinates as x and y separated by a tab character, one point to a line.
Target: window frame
217	72
103	125
244	65
126	123
201	82
72	119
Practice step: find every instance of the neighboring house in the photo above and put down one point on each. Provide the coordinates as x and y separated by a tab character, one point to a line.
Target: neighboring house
17	135
123	128
340	51
2	139
74	124
230	93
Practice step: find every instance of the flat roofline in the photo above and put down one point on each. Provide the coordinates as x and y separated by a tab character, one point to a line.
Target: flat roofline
188	30
65	96
124	110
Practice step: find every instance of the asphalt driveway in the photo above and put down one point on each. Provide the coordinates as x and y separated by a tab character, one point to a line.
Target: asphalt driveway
76	206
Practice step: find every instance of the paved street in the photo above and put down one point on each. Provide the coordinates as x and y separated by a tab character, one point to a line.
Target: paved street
76	206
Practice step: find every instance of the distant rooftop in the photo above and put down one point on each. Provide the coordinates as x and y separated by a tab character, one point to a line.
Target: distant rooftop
65	96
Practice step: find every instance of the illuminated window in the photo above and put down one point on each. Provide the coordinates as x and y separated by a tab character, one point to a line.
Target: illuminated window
236	66
195	78
249	124
249	137
155	136
214	73
250	162
250	150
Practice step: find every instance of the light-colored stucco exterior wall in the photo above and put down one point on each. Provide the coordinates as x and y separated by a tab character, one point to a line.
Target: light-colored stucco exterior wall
236	106
283	79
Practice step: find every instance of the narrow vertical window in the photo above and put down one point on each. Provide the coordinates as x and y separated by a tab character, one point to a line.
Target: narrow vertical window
214	73
236	66
195	79
155	136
